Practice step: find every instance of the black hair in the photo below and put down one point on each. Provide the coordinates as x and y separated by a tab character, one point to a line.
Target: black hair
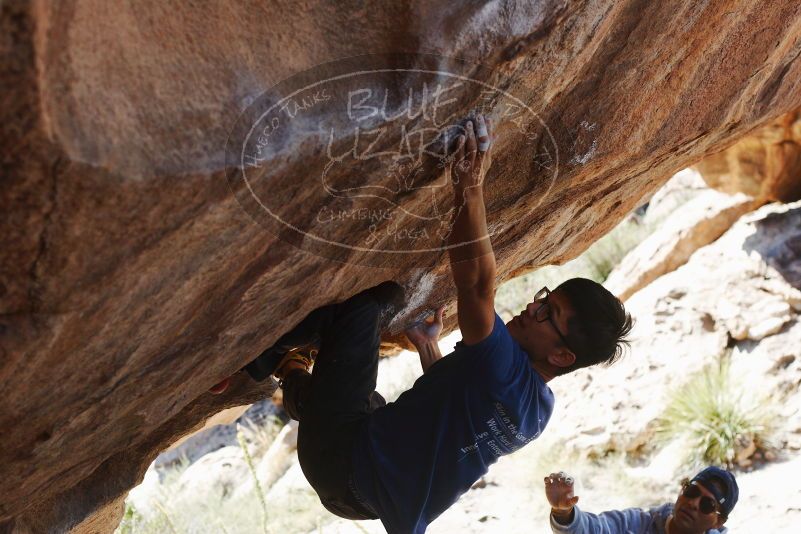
597	331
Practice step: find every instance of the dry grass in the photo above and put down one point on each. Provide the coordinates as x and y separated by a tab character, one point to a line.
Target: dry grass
177	511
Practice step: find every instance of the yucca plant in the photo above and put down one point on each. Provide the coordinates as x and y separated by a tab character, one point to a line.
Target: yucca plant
721	424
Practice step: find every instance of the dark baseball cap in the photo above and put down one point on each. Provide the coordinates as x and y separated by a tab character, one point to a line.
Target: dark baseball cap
728	498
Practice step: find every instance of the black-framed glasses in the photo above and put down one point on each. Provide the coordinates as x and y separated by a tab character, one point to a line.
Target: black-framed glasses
706	504
543	314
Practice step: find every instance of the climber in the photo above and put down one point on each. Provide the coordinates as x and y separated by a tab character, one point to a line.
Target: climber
408	461
702	506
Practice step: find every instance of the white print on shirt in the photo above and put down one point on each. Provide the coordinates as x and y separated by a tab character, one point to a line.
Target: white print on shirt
501	436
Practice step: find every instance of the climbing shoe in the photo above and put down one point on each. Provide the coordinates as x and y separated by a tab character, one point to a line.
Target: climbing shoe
220	387
268	361
299	358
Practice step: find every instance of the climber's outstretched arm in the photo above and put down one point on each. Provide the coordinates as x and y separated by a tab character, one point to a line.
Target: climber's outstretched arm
469	247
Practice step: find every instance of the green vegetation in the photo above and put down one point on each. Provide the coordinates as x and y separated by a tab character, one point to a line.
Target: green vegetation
240	437
130	520
175	509
719	422
259	437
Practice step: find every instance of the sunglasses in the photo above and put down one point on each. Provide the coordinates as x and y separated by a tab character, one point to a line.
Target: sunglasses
543	314
706	505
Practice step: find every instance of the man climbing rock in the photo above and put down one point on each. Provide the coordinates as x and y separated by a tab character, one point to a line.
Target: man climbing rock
702	506
408	461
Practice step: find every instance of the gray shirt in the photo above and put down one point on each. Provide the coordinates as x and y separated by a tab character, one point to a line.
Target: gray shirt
628	521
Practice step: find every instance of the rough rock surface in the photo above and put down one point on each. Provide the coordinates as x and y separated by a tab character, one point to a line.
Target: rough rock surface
132	279
765	165
104	490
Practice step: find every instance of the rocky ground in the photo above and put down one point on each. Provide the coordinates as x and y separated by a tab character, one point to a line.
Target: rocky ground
736	298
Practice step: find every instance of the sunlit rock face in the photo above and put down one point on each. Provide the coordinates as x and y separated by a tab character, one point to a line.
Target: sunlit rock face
765	165
153	243
698	222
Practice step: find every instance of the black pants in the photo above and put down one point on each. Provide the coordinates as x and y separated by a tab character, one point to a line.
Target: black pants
341	393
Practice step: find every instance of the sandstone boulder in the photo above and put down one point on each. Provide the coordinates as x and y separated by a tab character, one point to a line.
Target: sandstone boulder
141	264
220	472
278	458
682	187
696	223
765	165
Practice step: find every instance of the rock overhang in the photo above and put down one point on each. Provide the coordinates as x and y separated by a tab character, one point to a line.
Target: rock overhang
133	279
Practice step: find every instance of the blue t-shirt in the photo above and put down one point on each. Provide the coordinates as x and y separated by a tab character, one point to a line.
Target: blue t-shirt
416	456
